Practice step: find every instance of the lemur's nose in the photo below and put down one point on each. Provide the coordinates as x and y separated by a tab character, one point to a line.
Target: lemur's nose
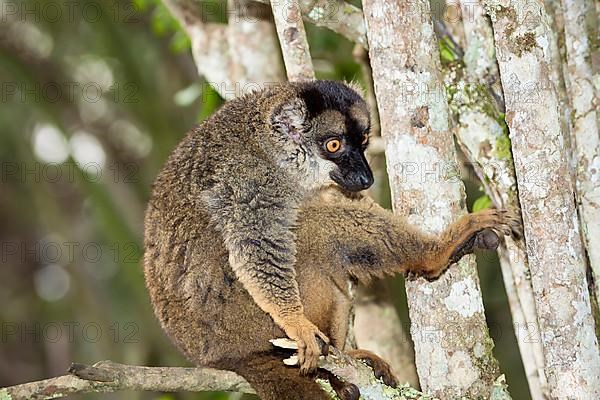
366	181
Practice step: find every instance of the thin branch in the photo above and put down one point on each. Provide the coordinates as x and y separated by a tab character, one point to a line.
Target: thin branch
218	49
585	139
361	56
483	140
220	64
557	50
483	137
209	45
108	376
336	15
250	30
292	39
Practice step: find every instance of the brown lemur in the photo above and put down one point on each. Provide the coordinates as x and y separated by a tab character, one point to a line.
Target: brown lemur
248	239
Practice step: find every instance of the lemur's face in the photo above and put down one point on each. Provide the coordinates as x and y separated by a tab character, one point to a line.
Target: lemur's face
340	125
342	140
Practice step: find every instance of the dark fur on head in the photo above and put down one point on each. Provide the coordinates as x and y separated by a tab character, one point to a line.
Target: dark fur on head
320	96
338	112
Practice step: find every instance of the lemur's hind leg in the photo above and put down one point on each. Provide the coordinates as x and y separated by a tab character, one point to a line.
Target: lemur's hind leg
472	231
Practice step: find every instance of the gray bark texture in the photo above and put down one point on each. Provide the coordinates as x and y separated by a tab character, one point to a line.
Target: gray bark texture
108	376
585	138
220	51
453	349
475	101
554	247
336	15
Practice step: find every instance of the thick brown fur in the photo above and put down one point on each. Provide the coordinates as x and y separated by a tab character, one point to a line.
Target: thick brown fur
214	321
235	183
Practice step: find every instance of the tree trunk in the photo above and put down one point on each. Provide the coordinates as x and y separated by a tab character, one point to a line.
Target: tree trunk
480	130
453	349
585	139
554	247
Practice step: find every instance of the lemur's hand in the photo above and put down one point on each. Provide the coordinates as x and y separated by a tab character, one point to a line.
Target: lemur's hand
311	342
488	226
497	223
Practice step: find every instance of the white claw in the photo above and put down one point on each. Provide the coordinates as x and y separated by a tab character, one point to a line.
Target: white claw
284	343
293	360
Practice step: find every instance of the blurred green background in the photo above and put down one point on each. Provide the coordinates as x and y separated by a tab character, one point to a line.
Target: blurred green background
95	94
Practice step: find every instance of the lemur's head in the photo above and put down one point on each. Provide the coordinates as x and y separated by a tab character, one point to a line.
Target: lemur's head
329	122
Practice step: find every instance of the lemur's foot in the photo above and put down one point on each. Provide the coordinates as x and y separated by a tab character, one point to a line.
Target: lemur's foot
381	369
311	342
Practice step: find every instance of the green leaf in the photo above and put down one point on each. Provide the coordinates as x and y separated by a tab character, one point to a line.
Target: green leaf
180	42
447	51
503	149
166	397
482	203
210	101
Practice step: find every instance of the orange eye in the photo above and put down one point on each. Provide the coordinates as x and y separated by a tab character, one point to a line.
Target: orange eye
333	145
365	139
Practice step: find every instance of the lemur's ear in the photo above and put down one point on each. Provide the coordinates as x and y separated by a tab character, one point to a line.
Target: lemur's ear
291	119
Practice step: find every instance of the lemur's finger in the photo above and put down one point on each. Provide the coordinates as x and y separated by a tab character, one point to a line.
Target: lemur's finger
323	342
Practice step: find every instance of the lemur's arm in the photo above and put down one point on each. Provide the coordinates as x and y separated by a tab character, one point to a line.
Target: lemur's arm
369	241
255	217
